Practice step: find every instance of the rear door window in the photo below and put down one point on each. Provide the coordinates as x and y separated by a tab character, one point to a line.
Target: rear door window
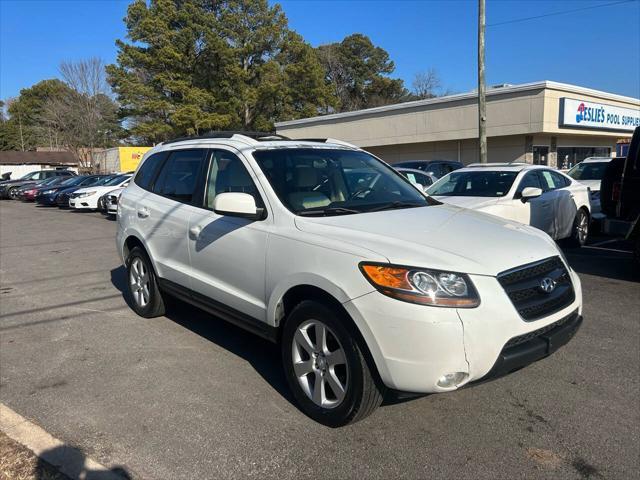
178	178
552	180
148	170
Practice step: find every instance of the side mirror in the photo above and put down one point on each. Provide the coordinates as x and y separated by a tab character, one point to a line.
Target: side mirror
530	192
236	204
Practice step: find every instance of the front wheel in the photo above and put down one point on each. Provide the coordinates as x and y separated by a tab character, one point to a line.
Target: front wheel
580	230
325	366
13	192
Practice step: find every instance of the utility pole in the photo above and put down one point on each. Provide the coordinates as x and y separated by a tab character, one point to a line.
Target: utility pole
482	102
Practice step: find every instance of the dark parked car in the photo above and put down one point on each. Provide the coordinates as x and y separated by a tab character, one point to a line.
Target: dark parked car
47	196
8	188
437	168
28	192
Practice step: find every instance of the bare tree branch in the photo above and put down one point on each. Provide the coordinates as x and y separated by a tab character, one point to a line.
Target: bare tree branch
426	84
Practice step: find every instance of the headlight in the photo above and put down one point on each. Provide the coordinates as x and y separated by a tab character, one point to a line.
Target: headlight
423	286
86	194
47	192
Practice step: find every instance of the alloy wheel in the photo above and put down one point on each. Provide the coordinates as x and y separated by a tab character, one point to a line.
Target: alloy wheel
320	364
139	282
583	228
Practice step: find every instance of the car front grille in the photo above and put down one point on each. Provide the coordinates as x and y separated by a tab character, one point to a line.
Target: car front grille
524	286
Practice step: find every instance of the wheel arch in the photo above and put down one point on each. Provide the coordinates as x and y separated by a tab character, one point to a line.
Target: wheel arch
296	294
133	240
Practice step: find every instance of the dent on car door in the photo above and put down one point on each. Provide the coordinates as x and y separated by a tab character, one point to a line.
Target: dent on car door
539	211
565	204
163	214
228	253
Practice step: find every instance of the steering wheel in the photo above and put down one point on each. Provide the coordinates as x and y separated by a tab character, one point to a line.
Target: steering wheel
360	191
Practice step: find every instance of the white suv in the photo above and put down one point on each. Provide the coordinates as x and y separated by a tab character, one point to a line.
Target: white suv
367	284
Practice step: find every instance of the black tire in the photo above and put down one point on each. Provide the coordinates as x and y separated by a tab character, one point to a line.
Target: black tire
155	306
362	394
12	193
579	237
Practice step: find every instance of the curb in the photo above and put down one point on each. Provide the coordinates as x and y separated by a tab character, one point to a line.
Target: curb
67	459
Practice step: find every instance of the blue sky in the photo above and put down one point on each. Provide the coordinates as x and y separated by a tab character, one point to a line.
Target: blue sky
597	48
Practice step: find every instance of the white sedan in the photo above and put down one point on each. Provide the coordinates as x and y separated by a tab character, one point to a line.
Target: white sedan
531	194
111	201
87	198
589	172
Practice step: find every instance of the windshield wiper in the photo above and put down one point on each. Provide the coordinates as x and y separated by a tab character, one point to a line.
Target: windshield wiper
396	204
327	211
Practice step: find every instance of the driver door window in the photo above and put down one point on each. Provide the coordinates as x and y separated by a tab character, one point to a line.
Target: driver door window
227	173
532	180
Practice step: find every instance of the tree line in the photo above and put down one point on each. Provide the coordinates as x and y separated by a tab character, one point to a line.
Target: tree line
191	66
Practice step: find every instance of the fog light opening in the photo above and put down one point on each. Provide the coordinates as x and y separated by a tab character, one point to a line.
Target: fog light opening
450	380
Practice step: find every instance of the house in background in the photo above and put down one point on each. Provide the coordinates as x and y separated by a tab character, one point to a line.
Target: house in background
21	163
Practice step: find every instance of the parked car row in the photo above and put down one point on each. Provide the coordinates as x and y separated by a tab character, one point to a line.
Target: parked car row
65	189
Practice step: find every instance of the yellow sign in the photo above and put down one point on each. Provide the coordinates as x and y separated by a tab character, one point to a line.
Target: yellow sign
130	157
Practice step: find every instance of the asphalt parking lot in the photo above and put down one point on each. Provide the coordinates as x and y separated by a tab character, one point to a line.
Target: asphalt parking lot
189	396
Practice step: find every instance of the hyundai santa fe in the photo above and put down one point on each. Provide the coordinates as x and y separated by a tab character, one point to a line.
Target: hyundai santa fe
367	284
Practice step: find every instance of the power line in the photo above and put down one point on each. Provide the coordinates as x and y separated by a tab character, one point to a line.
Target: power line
559	13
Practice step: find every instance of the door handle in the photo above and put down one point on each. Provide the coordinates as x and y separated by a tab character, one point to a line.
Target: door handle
194	232
143	212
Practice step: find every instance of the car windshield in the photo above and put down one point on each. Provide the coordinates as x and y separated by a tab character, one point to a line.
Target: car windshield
114	181
474	183
323	181
75	180
48	181
28	176
588	171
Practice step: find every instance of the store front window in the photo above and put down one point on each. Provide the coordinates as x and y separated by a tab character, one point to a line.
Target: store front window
540	155
570	156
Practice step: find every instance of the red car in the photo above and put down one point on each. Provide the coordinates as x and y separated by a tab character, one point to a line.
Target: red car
28	193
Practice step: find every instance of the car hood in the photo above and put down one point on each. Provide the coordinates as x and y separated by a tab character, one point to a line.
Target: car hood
594	185
98	189
466	202
443	237
16	182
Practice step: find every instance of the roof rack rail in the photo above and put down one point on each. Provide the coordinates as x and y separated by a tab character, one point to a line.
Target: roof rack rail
326	140
257	136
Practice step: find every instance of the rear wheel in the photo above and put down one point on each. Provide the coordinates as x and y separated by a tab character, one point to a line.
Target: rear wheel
325	366
142	285
580	230
13	192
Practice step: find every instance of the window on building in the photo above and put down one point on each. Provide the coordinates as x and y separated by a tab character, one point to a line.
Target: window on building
540	155
570	156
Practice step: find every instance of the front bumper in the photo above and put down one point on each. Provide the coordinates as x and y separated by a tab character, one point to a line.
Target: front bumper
526	349
83	203
413	346
49	199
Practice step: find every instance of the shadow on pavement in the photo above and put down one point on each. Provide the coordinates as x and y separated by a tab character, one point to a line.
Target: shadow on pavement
615	262
262	355
73	463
